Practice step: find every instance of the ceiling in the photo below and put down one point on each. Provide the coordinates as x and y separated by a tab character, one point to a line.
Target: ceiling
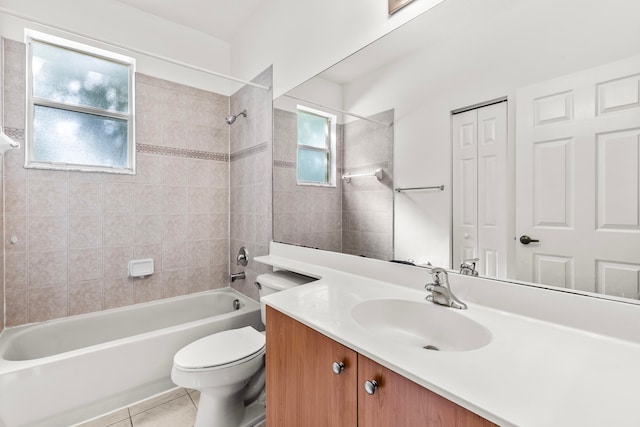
218	18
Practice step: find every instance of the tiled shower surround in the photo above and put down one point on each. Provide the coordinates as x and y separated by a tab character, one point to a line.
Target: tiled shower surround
304	214
76	231
353	217
367	204
251	179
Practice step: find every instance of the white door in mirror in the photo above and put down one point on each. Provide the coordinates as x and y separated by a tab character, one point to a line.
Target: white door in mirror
578	186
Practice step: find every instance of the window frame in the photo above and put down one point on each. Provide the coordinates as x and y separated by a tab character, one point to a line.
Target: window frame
32	102
330	150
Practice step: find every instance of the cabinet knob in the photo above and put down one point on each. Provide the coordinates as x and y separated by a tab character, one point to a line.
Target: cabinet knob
370	386
337	367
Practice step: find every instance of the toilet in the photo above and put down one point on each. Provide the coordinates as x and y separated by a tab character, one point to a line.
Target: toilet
228	367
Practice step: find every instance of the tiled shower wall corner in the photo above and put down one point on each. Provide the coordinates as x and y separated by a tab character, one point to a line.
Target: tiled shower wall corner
76	231
2	246
367	204
251	179
303	214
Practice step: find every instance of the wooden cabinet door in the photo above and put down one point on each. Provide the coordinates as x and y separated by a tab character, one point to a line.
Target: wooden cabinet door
302	389
401	402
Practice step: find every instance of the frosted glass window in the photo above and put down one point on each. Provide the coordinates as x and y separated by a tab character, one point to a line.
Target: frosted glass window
61	136
76	78
80	107
312	166
314	148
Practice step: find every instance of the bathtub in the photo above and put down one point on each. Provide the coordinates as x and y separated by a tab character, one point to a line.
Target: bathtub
64	371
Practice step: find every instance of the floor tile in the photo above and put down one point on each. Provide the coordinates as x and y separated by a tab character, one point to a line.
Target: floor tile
157	401
179	412
195	397
111	419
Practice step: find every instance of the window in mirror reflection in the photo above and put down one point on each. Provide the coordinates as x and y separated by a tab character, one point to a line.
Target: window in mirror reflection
316	147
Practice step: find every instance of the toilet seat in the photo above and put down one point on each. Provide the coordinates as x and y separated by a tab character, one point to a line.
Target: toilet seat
221	350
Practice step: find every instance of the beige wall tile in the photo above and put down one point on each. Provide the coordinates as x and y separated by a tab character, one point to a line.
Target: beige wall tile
198	200
47	268
175	170
116	261
148	199
174	228
118	230
199	227
47	233
148	229
15	226
175	282
198	253
220	226
174	199
16	270
200	173
16	307
150	251
118	198
47	303
174	255
15	197
220	200
148	288
85	197
199	279
85	231
85	297
85	264
148	129
118	292
47	197
149	168
174	133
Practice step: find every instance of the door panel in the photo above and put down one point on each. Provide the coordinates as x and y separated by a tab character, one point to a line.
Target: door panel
479	189
578	185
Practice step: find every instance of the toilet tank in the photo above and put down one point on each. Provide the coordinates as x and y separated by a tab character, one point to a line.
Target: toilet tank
277	281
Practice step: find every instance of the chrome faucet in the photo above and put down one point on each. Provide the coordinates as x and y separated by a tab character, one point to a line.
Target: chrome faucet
441	291
468	267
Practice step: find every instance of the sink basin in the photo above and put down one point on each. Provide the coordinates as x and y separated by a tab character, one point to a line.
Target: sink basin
420	324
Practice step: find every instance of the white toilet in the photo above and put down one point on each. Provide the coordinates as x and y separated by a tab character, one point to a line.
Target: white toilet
228	367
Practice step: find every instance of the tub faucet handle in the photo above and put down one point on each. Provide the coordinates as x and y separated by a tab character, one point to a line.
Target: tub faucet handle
243	257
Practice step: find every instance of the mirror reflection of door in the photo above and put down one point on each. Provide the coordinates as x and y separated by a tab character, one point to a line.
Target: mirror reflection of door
479	156
578	187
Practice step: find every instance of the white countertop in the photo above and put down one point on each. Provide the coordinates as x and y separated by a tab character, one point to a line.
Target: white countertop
532	373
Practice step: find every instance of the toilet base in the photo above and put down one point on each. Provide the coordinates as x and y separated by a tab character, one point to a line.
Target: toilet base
228	412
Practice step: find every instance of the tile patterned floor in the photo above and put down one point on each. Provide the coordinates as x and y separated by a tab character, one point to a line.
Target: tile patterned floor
176	408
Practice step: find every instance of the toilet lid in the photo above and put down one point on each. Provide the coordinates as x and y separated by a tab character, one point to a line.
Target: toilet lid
220	349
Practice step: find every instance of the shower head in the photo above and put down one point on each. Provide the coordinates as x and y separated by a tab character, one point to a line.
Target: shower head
231	119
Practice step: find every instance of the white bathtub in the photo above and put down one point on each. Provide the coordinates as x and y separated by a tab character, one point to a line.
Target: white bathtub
61	372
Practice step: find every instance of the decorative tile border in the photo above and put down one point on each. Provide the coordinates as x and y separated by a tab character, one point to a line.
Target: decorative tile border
284	164
181	152
249	151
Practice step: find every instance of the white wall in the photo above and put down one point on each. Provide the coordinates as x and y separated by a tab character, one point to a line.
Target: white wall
303	37
122	25
468	67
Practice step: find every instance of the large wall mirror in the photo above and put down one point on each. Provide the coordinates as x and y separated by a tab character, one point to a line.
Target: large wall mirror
499	130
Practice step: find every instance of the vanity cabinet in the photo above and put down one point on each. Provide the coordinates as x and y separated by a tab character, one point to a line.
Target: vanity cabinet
305	388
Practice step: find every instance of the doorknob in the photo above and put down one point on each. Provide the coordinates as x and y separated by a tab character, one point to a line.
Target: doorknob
525	240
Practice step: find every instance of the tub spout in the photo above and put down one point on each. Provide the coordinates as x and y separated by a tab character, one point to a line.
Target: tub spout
237	276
